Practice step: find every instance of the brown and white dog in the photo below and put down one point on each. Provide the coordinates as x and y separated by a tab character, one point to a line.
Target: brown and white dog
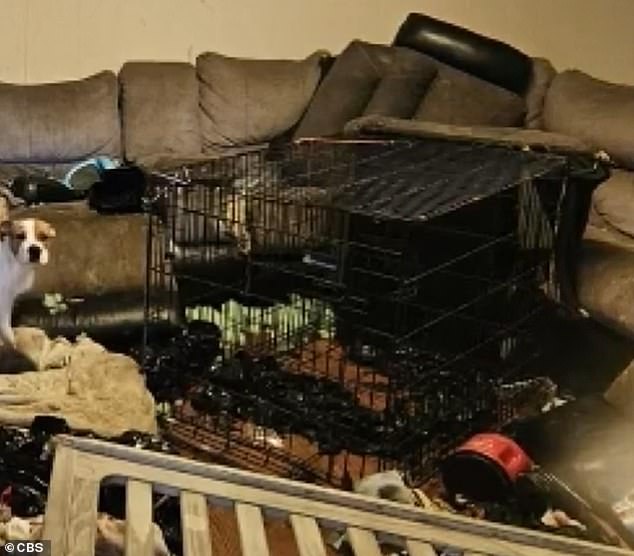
23	247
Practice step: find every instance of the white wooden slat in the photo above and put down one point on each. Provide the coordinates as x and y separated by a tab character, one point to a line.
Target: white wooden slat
307	535
139	529
82	517
251	528
195	524
418	548
59	496
363	542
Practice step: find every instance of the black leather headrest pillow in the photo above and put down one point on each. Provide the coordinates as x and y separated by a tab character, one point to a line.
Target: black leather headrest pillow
483	57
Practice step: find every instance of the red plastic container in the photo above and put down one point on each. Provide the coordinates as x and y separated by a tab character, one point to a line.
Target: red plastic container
485	467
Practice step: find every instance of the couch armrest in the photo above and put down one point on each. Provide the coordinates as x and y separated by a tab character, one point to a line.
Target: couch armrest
92	254
512	136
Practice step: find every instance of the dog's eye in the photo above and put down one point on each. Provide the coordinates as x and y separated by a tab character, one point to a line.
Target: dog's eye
20	236
42	237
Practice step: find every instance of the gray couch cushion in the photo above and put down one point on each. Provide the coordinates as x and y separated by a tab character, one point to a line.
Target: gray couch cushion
367	79
455	97
601	113
159	105
541	79
252	101
613	201
398	93
60	122
606	279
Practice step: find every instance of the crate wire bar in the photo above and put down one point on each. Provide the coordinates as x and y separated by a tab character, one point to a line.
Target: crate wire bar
370	297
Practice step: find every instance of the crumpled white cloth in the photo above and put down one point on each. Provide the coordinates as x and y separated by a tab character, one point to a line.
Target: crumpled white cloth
109	541
91	388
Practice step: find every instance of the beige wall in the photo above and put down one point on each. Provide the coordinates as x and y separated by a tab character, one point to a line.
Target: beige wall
44	40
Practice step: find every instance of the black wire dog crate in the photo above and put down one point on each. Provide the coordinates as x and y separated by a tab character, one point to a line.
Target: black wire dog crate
349	306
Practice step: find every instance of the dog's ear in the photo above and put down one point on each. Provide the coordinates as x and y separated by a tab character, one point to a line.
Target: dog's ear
6	228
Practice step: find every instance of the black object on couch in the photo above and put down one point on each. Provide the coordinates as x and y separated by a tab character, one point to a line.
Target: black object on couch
120	191
486	58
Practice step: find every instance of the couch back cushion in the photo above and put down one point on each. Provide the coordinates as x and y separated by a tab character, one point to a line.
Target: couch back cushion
596	111
458	98
367	79
613	201
542	76
60	122
159	108
247	101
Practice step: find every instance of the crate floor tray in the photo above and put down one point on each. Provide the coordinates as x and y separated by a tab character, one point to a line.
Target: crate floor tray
81	465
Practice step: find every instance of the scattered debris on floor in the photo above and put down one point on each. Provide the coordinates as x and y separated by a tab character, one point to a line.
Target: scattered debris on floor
534	474
530	397
25	468
388	485
109	538
556	519
532	503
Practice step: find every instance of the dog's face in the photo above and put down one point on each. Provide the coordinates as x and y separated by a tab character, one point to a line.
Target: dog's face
28	239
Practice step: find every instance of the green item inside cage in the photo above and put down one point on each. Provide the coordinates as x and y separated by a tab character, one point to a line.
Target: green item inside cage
284	326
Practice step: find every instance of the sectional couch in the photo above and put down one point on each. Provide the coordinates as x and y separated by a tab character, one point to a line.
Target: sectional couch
151	114
436	79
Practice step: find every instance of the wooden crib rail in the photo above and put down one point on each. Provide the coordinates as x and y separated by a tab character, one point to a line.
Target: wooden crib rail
81	465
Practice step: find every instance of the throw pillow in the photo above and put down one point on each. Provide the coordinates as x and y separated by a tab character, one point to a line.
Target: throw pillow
596	111
542	77
399	92
457	98
367	79
244	101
